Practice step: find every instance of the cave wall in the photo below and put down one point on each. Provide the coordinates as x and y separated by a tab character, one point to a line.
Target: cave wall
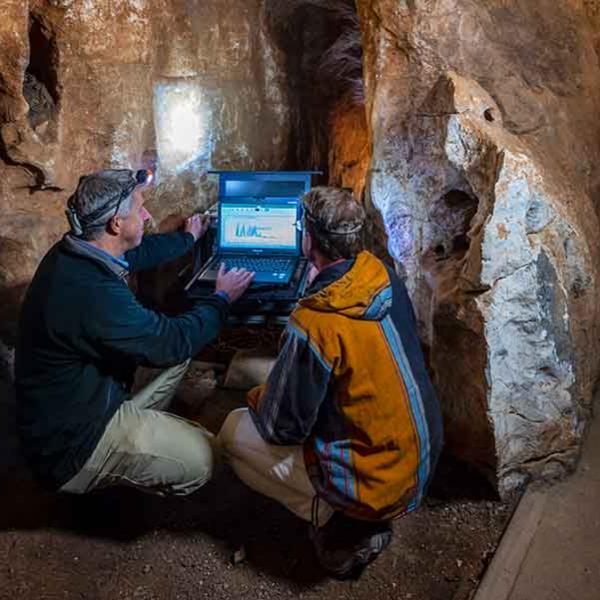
102	78
321	44
483	119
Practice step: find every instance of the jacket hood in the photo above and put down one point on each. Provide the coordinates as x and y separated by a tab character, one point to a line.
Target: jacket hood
363	292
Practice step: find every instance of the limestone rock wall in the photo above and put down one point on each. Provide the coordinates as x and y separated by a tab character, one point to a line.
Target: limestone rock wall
485	136
117	83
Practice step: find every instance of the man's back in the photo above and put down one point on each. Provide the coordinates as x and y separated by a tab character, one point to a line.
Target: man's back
365	409
347	431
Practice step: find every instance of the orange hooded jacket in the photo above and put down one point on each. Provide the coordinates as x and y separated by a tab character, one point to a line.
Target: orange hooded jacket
350	384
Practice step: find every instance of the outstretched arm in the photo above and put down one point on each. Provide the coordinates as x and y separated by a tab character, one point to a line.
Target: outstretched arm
157	249
160	248
118	326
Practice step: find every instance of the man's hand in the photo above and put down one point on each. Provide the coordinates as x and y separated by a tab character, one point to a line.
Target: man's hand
197	225
234	283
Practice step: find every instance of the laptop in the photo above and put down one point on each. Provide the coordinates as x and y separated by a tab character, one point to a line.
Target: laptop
258	234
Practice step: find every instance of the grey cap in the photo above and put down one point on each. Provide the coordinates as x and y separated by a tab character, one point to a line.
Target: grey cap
97	199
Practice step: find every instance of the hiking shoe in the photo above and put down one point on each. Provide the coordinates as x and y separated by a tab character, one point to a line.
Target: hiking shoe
344	547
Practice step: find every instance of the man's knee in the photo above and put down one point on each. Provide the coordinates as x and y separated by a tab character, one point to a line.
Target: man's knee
182	367
229	435
173	456
197	472
194	454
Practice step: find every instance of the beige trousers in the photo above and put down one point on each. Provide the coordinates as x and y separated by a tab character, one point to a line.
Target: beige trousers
147	448
274	471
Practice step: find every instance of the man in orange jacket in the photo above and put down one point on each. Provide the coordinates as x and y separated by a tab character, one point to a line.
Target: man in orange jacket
347	430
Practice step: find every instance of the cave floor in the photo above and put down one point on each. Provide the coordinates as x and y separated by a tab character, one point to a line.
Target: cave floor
123	544
550	550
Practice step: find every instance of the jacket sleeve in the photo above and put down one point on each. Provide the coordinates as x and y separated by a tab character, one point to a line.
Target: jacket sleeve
117	325
285	409
157	249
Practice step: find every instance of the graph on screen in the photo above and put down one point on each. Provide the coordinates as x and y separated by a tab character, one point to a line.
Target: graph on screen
270	227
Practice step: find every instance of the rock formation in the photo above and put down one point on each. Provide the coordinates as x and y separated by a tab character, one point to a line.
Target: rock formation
484	126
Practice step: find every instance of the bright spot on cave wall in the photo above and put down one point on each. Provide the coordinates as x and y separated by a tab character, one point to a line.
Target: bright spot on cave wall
182	120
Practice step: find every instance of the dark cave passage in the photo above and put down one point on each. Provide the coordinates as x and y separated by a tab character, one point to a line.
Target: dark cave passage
321	42
40	84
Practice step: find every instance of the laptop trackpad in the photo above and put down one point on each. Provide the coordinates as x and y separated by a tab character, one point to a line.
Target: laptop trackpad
210	275
266	277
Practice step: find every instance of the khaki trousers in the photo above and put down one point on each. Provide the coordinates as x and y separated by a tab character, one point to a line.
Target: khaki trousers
147	448
274	471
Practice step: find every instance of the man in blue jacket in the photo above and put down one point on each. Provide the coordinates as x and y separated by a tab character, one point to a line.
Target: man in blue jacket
83	333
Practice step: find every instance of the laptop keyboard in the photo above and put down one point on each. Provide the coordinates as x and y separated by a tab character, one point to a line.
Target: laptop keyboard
259	265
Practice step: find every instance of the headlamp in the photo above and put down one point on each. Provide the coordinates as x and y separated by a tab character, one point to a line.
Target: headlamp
144	177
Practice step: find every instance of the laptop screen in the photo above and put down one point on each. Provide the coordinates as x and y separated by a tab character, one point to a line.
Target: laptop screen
259	225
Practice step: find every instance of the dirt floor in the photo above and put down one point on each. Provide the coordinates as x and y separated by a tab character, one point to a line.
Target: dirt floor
123	544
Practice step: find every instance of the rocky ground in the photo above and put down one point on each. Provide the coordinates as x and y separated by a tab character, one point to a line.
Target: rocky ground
124	544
